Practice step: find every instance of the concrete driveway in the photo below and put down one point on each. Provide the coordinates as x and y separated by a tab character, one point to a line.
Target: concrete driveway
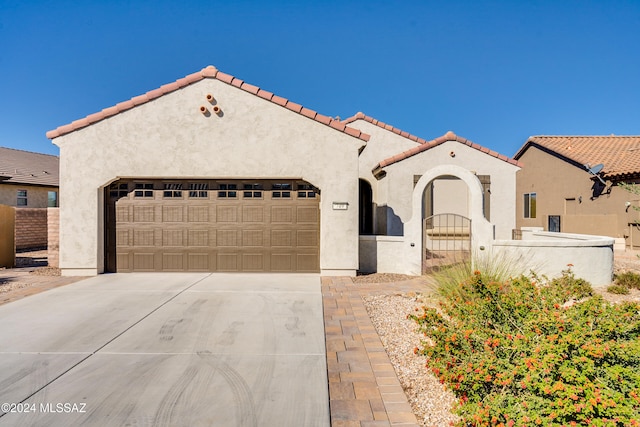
167	349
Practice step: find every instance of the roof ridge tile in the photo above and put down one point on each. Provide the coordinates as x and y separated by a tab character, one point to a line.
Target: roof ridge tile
449	136
207	72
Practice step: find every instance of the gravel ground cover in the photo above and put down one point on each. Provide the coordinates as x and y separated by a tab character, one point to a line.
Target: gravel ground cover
431	401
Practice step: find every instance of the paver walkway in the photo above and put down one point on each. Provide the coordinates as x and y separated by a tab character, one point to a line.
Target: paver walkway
364	390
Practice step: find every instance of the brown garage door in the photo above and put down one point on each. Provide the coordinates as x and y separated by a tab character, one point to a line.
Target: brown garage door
214	225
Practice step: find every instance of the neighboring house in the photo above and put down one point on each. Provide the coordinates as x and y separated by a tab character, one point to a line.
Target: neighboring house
570	184
210	173
28	180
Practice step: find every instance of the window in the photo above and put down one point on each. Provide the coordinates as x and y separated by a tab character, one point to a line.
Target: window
143	189
530	205
306	190
281	191
52	199
118	190
198	190
250	191
22	198
227	191
172	189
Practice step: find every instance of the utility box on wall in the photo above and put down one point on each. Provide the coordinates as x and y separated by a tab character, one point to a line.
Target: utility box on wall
7	236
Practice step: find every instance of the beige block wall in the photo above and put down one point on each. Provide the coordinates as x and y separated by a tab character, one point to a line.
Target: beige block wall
7	233
53	237
169	138
31	228
37	197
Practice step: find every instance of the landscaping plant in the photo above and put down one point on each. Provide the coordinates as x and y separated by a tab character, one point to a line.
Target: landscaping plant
517	352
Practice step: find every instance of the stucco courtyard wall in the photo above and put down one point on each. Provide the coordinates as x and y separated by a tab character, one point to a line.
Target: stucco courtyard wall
169	137
549	253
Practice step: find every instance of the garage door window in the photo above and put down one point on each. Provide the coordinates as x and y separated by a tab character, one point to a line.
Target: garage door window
227	191
251	191
281	191
306	191
172	190
198	190
143	189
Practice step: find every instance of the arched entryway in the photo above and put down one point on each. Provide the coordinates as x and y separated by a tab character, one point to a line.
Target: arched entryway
473	227
365	216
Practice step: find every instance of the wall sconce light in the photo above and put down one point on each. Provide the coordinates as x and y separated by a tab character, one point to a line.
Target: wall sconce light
340	206
579	199
627	205
452	154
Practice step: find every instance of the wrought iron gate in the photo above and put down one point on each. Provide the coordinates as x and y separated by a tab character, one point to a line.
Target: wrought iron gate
446	241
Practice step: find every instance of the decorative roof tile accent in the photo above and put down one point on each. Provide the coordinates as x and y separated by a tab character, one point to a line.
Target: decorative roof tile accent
449	136
362	116
620	155
25	167
208	72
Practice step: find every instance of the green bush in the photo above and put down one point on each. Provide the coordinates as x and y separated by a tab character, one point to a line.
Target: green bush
628	279
515	355
618	289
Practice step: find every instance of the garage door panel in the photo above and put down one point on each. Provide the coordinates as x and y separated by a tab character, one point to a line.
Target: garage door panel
281	238
253	214
282	214
255	238
144	214
227	213
172	237
307	214
144	237
307	262
199	261
228	261
253	261
282	262
208	231
198	213
307	238
227	238
199	238
144	261
172	214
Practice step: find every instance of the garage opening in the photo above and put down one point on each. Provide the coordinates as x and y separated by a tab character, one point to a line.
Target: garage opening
212	225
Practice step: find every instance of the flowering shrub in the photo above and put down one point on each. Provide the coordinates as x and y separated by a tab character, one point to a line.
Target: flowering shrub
516	355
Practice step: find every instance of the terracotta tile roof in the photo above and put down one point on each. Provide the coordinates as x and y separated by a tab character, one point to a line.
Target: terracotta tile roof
449	136
362	116
620	155
25	167
208	72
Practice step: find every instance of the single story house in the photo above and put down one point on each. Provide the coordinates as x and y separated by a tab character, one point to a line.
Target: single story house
571	184
28	180
211	173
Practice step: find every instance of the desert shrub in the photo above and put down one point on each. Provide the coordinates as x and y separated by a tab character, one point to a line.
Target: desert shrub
628	279
618	289
514	354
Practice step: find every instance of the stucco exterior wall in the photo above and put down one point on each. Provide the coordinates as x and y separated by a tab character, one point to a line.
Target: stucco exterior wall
565	189
169	138
503	181
590	257
37	197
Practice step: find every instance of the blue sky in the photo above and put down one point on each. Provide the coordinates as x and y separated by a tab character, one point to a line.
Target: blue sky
494	72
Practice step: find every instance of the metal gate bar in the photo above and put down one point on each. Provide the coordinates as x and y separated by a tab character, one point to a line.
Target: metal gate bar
446	241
